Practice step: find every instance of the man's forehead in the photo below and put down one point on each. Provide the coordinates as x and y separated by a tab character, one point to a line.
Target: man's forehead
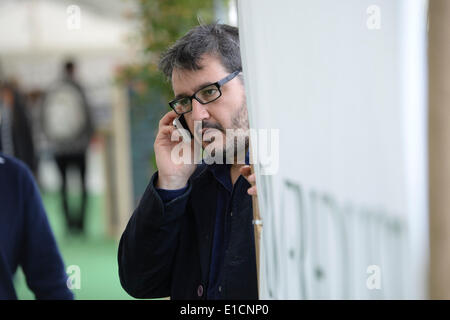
186	81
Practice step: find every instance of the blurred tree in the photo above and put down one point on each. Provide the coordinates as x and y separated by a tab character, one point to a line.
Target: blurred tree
162	22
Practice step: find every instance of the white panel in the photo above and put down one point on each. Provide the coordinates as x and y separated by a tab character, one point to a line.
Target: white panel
348	99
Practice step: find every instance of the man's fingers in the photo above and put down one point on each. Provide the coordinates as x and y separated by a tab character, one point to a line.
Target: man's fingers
167	119
252	191
245	170
166	130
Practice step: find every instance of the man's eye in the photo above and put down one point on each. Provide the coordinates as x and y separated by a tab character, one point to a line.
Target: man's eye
210	92
184	102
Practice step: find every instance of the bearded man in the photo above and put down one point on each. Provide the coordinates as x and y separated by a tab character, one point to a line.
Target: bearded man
191	236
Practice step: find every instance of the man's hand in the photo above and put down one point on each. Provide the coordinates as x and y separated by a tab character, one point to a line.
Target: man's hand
246	171
171	176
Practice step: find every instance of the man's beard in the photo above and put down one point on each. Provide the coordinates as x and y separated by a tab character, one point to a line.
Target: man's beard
233	151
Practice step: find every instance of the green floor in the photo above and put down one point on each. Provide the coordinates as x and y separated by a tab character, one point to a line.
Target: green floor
94	253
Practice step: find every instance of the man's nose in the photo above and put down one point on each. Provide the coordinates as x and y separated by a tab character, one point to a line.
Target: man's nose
199	111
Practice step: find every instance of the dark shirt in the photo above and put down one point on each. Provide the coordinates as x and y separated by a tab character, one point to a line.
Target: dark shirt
26	239
221	227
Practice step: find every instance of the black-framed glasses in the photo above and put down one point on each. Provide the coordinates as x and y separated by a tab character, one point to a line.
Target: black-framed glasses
204	95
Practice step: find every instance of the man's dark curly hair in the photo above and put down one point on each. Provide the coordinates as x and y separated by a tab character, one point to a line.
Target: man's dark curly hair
216	39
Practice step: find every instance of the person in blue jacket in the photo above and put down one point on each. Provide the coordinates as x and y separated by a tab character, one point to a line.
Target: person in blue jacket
191	236
26	239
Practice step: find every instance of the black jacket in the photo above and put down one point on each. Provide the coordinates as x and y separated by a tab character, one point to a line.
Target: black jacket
22	134
165	250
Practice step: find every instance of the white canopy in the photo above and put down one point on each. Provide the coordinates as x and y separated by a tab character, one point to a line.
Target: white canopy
37	35
28	26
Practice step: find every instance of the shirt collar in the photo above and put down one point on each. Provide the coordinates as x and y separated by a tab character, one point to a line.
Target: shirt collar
222	172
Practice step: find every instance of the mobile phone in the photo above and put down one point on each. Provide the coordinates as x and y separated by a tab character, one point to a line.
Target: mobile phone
180	123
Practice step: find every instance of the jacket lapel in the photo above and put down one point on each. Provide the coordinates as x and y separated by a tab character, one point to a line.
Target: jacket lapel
204	215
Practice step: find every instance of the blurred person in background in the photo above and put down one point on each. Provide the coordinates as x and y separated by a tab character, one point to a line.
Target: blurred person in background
26	239
15	130
68	127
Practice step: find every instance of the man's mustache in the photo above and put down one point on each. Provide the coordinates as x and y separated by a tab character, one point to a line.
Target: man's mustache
210	125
